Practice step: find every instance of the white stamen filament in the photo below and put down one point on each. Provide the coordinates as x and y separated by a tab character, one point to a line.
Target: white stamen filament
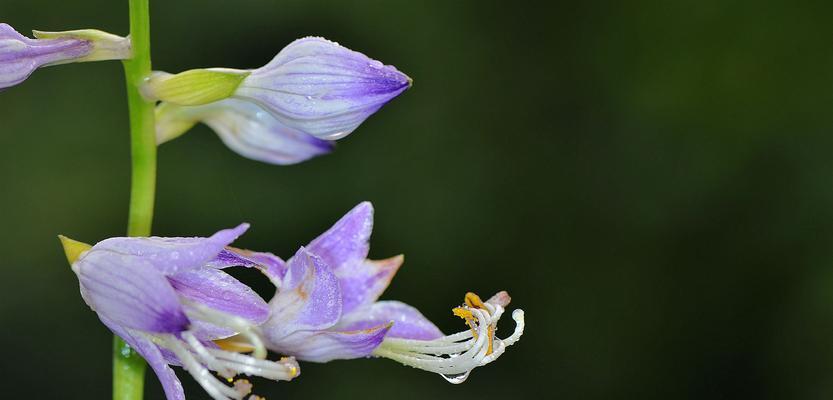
454	356
199	359
216	389
240	325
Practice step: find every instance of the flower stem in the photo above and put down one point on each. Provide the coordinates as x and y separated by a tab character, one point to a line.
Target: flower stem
128	366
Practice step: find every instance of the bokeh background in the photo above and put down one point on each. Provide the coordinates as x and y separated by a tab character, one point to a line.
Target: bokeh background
652	181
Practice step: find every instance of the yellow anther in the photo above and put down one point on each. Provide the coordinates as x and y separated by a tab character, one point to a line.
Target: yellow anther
235	344
467	315
462	313
491	336
473	300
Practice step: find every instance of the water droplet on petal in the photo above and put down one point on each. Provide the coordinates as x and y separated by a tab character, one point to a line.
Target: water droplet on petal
456	378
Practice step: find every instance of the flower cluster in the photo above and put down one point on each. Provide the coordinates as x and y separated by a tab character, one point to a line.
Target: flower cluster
171	300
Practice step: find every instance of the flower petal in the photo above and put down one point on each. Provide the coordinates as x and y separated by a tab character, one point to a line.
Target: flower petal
129	291
363	282
244	127
220	291
347	240
322	88
252	132
271	265
310	298
324	346
408	322
170	255
153	355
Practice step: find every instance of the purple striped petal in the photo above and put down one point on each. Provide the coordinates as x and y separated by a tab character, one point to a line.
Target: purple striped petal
324	346
363	282
220	291
408	322
130	292
322	88
347	240
271	265
344	248
20	56
170	255
309	298
154	357
244	127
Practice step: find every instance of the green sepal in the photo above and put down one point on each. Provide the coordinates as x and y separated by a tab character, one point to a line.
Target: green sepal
73	249
195	87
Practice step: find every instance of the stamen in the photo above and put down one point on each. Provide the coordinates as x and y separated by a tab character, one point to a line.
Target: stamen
200	360
454	356
244	328
216	389
473	300
235	344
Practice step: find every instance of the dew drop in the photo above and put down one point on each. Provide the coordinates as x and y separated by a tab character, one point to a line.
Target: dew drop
456	378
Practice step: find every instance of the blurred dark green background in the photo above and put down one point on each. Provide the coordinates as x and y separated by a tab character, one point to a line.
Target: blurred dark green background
652	181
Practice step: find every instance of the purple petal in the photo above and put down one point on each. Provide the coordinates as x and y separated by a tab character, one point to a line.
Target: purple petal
220	291
129	291
271	265
309	298
408	322
363	282
322	88
324	346
254	133
20	56
170	255
347	240
153	355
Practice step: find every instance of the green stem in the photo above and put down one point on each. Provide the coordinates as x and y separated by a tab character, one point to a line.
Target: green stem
128	367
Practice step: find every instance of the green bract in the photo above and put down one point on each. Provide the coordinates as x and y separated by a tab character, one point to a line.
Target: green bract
195	87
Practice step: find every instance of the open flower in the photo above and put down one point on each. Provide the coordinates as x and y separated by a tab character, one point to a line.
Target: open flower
20	56
165	299
313	85
244	127
326	307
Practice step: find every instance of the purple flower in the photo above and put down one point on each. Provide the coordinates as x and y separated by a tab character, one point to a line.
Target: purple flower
326	307
313	85
244	127
322	88
20	56
165	298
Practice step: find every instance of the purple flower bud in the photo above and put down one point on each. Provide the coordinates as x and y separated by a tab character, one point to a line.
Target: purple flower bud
322	88
20	56
166	299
